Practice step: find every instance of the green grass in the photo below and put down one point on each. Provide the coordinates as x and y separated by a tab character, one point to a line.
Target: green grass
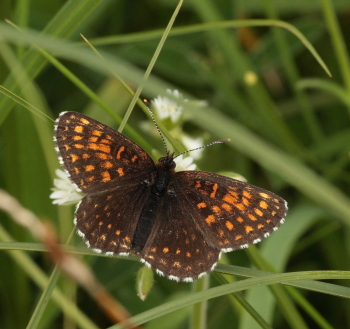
289	131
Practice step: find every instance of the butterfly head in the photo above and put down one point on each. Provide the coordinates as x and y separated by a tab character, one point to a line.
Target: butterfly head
167	161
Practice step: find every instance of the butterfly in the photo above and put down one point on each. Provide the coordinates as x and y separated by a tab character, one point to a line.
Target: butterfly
178	223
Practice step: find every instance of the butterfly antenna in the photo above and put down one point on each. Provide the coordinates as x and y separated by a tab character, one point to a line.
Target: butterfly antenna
202	147
147	103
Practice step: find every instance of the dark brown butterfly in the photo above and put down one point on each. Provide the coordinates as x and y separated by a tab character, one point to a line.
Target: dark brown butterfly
177	222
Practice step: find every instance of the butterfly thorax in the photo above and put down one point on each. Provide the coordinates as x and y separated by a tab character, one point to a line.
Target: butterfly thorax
162	177
165	170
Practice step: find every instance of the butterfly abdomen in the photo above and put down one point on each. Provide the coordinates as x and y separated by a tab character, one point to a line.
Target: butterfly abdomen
159	186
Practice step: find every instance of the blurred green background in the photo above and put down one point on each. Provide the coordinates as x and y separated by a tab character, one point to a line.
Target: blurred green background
288	122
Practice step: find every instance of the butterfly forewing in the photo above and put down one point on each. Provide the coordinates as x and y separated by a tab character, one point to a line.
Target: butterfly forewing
96	156
230	213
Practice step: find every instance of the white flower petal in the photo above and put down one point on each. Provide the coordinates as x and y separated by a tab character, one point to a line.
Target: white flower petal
65	191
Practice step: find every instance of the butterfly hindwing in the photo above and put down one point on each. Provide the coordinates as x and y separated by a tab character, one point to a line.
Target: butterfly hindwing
96	156
176	247
107	220
231	214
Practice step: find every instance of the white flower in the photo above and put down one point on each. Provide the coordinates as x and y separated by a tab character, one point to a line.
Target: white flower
183	164
64	192
165	107
193	143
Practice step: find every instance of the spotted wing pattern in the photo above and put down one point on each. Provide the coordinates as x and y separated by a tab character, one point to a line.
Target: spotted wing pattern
96	156
176	247
107	220
230	214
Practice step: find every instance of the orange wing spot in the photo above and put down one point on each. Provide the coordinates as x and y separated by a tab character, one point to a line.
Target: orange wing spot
232	200
106	177
113	243
227	207
100	147
276	200
263	205
184	231
176	264
109	137
121	149
215	188
197	251
63	138
273	213
93	234
109	225
103	237
108	214
86	156
91	178
120	172
229	225
210	219
77	138
96	133
89	168
187	241
201	205
93	139
134	158
268	221
107	164
84	121
234	194
178	251
188	254
100	223
67	147
102	156
78	146
248	229
165	250
217	210
277	207
238	237
221	233
252	217
240	206
246	202
127	239
105	141
239	219
162	261
260	226
109	197
247	194
258	212
226	242
76	170
154	249
106	208
79	129
95	205
229	199
264	195
198	184
67	121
